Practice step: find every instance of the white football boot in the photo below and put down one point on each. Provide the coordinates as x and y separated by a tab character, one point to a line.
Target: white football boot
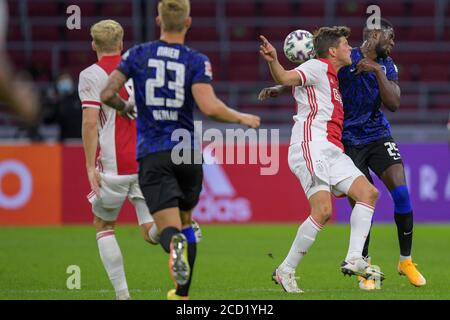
287	280
360	267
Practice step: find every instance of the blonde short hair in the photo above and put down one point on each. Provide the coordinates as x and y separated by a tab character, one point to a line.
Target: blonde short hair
173	14
107	35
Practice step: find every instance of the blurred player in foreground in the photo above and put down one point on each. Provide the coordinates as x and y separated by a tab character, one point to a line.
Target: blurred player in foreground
16	95
112	178
169	78
371	80
316	153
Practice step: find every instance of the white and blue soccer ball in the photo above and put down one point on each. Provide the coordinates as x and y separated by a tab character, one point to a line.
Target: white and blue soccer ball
299	46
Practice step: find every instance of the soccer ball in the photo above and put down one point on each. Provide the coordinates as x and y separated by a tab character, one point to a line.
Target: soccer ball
299	46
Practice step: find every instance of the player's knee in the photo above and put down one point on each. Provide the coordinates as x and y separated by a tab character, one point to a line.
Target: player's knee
370	195
374	194
402	202
102	225
323	212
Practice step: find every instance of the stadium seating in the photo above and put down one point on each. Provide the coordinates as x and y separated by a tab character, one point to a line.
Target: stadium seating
117	9
440	102
434	73
351	9
46	33
242	25
276	33
89	9
241	9
243	33
18	58
203	34
310	9
243	66
276	9
46	8
203	8
15	34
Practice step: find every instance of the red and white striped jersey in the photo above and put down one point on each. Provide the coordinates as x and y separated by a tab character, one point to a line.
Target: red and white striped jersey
117	134
320	112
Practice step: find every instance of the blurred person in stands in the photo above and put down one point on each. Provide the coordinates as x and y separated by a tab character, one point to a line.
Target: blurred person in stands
17	96
69	115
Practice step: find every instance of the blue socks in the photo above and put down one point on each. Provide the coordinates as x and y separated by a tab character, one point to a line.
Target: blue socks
403	218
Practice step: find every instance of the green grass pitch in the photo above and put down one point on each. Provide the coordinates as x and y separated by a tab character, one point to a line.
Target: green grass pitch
234	262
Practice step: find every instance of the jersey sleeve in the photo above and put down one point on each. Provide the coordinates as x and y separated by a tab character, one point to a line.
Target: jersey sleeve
309	72
128	64
202	69
89	90
391	70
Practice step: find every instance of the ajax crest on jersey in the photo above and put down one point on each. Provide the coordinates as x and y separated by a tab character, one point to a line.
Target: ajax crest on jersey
298	46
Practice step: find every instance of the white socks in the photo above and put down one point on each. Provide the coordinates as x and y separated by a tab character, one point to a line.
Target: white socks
306	235
112	260
403	258
360	222
153	234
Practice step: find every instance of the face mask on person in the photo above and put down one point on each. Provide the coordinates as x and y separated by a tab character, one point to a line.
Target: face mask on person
65	86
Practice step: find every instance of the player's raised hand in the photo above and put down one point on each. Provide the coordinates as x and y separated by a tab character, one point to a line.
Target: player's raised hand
250	120
367	65
94	180
267	51
271	92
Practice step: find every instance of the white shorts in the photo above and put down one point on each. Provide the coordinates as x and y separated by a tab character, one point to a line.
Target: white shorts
114	190
322	166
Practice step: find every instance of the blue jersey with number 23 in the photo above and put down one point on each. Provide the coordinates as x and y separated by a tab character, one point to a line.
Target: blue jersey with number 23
163	75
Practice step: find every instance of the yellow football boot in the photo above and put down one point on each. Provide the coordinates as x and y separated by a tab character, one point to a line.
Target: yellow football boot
366	284
408	268
172	295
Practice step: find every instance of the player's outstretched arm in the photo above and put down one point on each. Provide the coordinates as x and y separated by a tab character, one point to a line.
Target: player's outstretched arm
110	95
213	107
89	135
279	74
273	92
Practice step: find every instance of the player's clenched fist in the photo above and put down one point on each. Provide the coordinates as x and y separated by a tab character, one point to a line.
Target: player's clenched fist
367	65
271	92
267	51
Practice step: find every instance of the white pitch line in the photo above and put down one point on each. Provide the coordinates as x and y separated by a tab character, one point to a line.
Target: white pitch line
254	290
